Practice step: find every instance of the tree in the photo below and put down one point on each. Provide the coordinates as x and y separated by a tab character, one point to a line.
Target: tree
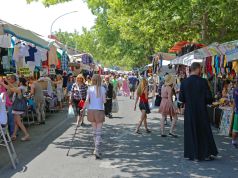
127	31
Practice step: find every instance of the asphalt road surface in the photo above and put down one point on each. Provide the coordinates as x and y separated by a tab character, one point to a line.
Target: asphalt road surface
125	154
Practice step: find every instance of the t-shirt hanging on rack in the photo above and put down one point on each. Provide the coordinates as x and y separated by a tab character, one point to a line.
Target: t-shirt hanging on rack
5	41
31	57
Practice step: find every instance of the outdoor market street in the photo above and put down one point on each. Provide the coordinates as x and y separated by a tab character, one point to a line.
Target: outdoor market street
125	154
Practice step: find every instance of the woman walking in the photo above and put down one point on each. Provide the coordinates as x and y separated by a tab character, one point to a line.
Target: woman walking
142	94
78	96
59	90
70	83
167	106
95	104
18	92
125	86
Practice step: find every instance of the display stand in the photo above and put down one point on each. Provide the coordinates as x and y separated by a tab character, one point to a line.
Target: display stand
7	142
226	121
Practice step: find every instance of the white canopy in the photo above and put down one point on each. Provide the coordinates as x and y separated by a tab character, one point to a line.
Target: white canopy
25	35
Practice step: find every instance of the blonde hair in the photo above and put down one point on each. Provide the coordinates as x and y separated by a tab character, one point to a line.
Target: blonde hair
143	84
59	76
80	76
97	81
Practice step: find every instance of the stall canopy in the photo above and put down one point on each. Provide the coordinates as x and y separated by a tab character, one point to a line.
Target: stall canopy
24	34
179	45
166	56
187	59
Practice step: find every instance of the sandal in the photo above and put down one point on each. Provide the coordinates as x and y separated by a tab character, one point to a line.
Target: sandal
26	138
148	131
173	135
138	132
13	138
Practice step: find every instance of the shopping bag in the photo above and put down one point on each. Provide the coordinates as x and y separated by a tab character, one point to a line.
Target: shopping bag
115	106
71	112
152	103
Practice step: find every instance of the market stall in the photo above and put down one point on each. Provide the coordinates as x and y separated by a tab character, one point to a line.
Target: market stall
220	68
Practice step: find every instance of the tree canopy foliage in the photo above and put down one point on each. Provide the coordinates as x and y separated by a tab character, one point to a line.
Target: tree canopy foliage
128	31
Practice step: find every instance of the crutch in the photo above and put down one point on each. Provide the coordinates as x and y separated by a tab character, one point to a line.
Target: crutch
76	129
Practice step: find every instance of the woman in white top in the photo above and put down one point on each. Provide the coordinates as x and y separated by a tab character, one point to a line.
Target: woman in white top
59	90
18	92
95	104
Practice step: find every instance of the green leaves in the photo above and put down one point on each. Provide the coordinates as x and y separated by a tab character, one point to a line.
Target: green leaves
128	31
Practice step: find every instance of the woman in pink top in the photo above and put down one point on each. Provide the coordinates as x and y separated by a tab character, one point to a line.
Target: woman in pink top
125	86
166	106
3	90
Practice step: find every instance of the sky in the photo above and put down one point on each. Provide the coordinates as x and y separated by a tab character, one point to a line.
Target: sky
38	18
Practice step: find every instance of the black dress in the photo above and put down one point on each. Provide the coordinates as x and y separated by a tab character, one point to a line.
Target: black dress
198	138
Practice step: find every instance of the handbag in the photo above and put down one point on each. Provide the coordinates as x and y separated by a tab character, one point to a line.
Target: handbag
81	103
19	104
115	106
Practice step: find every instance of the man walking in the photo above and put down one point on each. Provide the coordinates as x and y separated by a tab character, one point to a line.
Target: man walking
133	82
199	143
109	95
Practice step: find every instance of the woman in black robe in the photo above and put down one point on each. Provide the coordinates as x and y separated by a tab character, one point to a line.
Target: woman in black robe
199	143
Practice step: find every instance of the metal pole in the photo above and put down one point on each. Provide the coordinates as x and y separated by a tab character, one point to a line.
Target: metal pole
59	18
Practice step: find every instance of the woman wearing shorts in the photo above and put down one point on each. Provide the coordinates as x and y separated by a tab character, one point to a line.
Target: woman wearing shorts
142	93
95	104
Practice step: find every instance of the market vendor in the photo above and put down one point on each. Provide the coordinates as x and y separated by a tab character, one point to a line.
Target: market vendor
225	90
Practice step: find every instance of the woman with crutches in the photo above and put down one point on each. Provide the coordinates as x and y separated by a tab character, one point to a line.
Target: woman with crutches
95	104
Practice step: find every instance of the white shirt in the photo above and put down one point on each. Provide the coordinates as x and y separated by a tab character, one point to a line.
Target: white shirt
96	103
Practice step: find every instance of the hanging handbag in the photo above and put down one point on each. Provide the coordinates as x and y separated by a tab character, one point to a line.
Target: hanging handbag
20	103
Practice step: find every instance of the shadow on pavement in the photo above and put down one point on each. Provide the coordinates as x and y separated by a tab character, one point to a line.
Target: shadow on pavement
41	137
149	155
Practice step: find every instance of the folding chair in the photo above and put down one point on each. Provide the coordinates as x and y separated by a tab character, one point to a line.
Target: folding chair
5	140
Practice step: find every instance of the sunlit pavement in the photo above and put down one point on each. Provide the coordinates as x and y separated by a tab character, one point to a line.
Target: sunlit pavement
125	154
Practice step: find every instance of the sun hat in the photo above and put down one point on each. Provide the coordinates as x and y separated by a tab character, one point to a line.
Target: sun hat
169	80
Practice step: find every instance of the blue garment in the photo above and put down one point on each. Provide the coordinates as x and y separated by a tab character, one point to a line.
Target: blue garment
31	57
133	80
235	97
64	62
69	86
11	123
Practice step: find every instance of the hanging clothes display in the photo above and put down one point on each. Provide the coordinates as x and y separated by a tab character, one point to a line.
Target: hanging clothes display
52	56
64	61
5	41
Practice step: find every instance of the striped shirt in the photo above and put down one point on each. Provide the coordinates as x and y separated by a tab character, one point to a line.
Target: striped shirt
79	92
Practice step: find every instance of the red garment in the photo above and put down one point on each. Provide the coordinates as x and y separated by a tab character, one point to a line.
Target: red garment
143	99
59	64
209	65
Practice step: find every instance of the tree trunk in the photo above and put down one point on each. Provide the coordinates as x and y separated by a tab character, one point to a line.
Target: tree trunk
205	27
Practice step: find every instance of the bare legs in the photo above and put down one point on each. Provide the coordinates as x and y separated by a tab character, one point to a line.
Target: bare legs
142	120
172	128
18	123
97	137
